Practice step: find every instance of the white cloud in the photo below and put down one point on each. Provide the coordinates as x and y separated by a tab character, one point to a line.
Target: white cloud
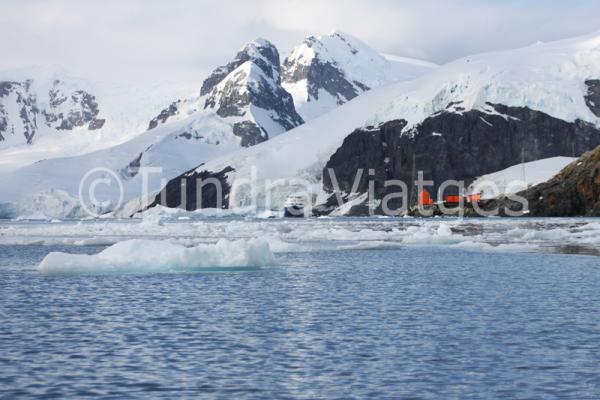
158	40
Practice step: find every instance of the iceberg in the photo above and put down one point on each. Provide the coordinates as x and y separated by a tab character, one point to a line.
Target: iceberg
142	256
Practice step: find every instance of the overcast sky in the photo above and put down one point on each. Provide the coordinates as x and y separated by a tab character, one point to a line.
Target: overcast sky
176	39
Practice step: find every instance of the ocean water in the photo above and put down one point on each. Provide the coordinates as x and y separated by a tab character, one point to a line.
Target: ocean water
426	318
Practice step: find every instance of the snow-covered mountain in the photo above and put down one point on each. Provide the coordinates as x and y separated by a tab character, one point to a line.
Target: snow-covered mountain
243	104
474	116
148	160
324	72
246	93
254	93
321	74
30	108
48	113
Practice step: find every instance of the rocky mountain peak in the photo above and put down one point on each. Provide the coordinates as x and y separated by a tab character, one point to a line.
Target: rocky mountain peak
246	93
259	51
324	72
253	91
69	109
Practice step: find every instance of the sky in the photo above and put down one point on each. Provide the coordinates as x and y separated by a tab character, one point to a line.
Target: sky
156	40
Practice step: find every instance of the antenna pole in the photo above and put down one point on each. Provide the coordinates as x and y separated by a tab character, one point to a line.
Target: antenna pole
523	164
414	178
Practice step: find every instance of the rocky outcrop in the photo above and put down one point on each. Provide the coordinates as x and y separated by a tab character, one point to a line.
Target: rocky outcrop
574	191
65	110
165	114
18	96
249	132
592	100
133	168
453	146
194	190
96	124
3	121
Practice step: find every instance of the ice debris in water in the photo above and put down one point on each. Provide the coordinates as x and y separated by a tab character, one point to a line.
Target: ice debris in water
560	234
152	256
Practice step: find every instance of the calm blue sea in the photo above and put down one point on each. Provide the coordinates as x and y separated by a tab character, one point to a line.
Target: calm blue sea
419	322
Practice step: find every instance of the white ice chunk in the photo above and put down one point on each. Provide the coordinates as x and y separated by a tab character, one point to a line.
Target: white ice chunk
139	256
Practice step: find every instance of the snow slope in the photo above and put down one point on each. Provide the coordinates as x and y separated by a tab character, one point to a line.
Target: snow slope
172	148
547	77
519	177
406	68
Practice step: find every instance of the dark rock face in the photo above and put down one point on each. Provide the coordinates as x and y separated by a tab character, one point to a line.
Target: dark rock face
322	76
593	96
6	87
165	114
262	52
28	114
96	124
65	111
194	190
3	122
132	168
26	103
575	191
250	133
454	146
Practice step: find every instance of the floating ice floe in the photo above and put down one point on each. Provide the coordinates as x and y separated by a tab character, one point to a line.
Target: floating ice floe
140	256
